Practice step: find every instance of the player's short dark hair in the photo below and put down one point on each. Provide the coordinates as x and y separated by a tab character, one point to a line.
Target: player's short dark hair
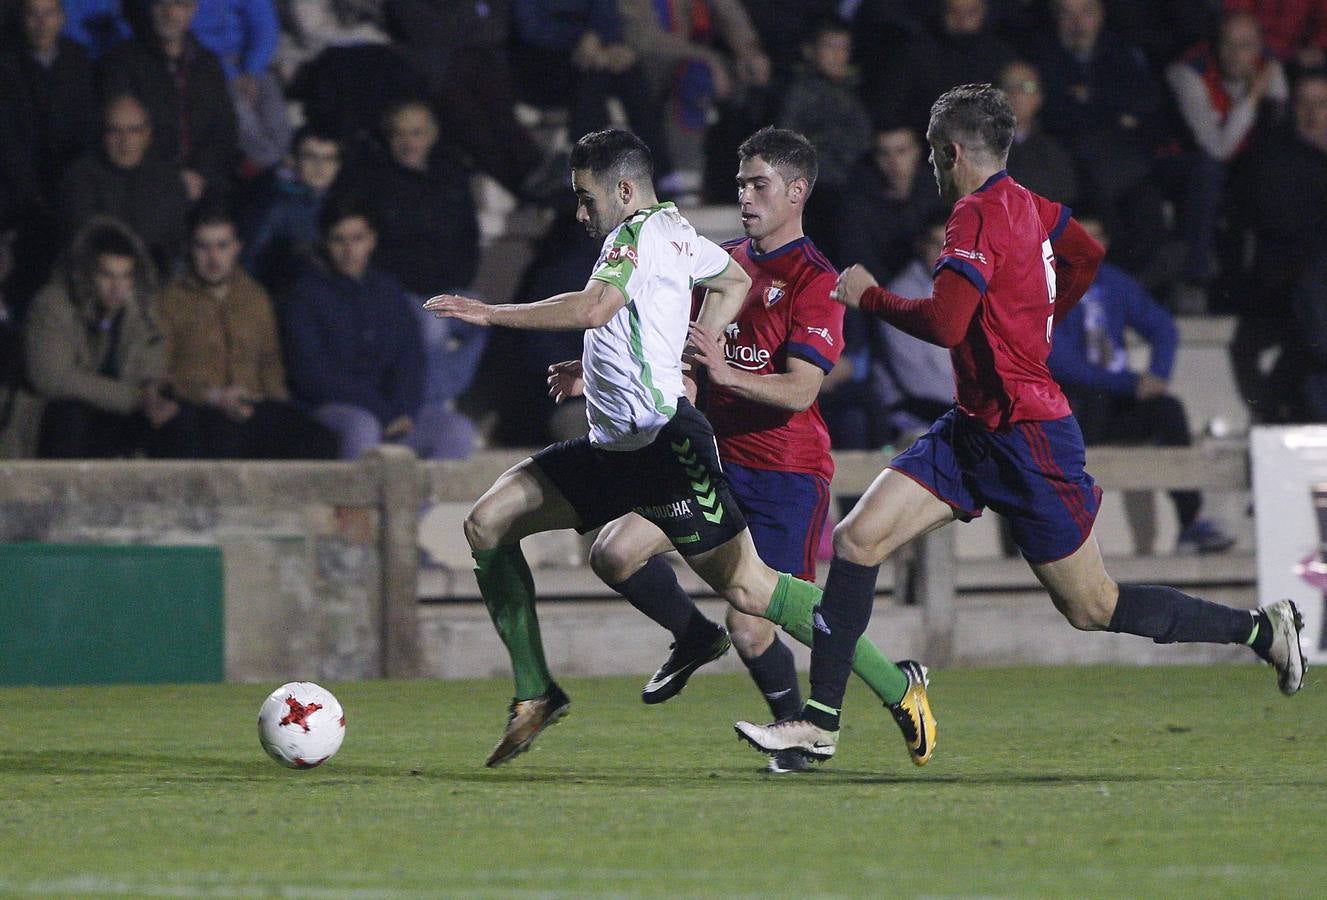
785	150
978	116
211	212
345	206
613	151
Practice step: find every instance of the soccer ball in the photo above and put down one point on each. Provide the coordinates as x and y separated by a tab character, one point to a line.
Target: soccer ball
301	725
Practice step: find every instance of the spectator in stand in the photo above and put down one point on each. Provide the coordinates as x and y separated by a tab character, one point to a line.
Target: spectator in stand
420	198
893	197
282	232
1288	198
782	26
354	354
1037	160
679	48
959	48
46	81
887	28
223	354
308	27
572	53
1102	102
913	379
127	181
95	355
1294	30
1114	405
345	88
822	103
184	89
1310	303
1226	94
460	49
243	35
420	203
97	25
54	77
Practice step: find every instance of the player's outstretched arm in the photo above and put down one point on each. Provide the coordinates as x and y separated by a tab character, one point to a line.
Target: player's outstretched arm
724	295
580	310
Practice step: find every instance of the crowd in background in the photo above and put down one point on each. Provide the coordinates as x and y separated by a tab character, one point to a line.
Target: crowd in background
218	217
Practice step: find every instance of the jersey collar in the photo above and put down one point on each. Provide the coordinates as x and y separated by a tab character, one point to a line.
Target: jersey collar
776	252
992	180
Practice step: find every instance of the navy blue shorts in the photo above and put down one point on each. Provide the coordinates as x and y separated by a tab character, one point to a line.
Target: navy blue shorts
785	511
1032	475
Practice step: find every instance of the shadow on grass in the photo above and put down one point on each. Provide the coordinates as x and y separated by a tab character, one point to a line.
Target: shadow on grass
173	768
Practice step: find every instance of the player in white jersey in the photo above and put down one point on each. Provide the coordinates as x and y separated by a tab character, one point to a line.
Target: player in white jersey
649	450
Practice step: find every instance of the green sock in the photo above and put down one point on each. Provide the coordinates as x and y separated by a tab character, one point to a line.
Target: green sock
793	605
507	587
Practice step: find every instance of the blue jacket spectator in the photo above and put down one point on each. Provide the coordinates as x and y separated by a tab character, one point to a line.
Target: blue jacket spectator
560	24
281	232
1116	406
353	341
1089	347
96	24
242	33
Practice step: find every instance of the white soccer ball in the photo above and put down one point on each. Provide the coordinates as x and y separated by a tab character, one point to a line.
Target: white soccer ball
301	725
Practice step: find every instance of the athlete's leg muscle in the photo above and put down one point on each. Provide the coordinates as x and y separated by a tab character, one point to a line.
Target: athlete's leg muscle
735	570
624	545
894	510
751	635
520	503
1080	587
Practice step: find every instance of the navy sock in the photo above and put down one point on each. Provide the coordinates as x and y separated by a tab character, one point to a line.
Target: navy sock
1168	616
654	590
840	619
775	674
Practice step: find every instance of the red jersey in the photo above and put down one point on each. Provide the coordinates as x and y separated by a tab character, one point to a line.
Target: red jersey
999	238
788	312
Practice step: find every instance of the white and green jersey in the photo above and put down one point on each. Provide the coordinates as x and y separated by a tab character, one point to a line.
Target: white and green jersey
633	364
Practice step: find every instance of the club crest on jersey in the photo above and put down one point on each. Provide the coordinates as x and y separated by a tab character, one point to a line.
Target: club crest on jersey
775	292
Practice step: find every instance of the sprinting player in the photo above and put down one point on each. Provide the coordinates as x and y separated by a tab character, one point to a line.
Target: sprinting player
649	450
1010	443
763	381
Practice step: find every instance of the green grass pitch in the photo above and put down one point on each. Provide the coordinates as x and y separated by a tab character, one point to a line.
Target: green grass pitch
1069	782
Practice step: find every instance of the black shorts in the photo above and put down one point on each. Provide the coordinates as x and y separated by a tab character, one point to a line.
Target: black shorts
676	482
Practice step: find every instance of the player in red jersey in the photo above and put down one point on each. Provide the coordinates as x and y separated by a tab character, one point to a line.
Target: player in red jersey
1013	264
764	375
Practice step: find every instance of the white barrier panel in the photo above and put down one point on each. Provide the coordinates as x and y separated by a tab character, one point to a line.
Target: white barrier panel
1290	500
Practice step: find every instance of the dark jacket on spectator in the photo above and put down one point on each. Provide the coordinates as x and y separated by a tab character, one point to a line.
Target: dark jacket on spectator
1042	165
346	89
878	230
833	117
62	103
67	350
1089	96
428	232
149	199
932	64
1288	197
281	234
354	342
208	144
